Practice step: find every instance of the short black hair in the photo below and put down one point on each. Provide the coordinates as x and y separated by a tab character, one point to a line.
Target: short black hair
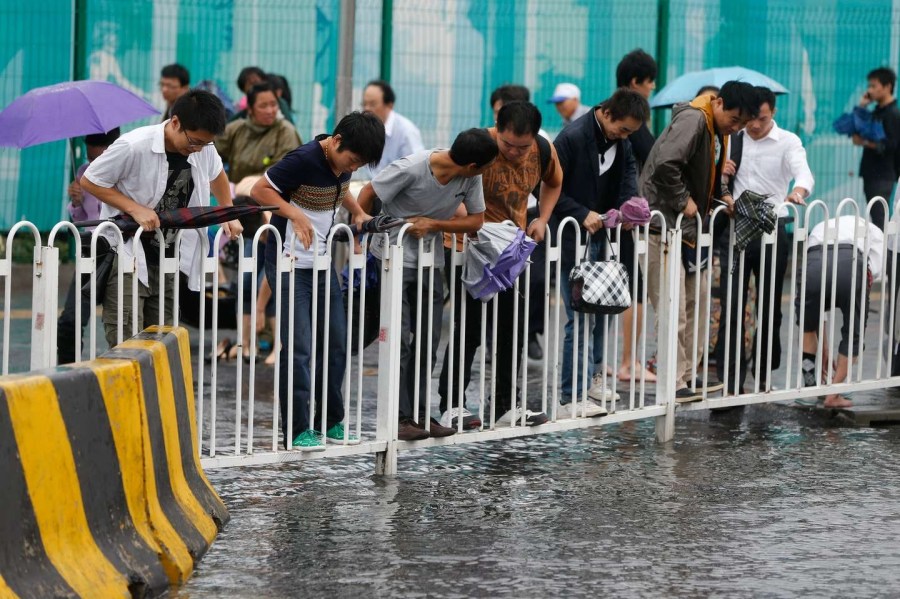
280	83
707	89
363	134
257	89
522	118
885	76
510	93
765	95
636	65
102	140
248	72
176	71
199	110
388	96
625	103
474	146
742	96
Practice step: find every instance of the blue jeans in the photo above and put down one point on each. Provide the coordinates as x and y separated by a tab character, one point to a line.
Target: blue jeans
596	323
302	340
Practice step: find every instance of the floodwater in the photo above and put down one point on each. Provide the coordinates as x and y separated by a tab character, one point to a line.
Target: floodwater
774	502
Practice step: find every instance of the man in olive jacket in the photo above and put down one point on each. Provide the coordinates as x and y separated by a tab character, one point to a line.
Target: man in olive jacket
682	175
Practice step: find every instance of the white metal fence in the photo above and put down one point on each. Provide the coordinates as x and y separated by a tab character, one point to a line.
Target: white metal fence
243	426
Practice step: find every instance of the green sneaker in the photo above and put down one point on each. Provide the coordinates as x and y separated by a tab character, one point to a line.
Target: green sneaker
336	435
309	440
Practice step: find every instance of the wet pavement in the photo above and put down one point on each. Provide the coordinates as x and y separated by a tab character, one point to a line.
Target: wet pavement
769	501
773	502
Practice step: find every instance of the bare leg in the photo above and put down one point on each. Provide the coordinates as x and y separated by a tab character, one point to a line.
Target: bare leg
629	368
840	374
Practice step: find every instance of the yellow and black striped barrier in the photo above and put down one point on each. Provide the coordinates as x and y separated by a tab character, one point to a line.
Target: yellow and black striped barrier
104	494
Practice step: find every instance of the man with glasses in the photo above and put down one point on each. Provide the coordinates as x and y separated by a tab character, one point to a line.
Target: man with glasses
174	82
150	170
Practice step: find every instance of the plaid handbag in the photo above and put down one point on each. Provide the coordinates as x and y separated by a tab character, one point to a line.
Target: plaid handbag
600	287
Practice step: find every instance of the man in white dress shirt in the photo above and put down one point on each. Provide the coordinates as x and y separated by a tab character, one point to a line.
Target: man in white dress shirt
765	159
402	136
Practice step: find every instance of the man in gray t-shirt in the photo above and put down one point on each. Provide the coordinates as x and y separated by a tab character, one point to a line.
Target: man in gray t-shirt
426	189
408	188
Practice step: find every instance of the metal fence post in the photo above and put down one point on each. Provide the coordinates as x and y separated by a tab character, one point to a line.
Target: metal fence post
667	350
389	332
44	300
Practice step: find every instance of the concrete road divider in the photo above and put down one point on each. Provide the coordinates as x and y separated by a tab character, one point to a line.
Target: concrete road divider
104	494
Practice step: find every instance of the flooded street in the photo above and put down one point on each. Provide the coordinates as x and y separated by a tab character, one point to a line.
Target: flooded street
774	503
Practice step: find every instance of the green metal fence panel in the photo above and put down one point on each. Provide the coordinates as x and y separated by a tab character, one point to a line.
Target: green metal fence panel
35	50
821	51
448	55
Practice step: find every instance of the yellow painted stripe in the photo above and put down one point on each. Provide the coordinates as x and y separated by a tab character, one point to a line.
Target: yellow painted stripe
120	382
182	491
184	351
49	468
5	591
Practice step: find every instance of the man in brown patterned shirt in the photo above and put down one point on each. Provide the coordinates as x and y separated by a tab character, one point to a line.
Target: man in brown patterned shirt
525	160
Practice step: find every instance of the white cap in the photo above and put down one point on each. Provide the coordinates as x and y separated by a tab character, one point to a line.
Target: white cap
563	92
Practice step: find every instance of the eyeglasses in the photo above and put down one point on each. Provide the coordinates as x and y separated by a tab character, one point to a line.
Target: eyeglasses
193	143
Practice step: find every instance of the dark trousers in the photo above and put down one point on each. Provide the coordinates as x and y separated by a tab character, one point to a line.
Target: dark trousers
410	337
763	277
301	337
538	280
65	327
878	187
507	354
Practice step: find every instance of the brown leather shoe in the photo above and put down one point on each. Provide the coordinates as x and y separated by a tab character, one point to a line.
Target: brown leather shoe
408	430
437	430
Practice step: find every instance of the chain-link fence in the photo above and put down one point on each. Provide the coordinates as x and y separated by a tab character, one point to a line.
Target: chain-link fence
447	56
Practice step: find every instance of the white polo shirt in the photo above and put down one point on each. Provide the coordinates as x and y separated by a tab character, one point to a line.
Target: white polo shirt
136	166
770	164
401	138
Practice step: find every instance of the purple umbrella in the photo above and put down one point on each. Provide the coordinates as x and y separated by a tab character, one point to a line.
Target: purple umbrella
69	109
635	211
495	259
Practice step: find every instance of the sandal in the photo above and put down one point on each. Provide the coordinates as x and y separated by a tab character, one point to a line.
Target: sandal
222	351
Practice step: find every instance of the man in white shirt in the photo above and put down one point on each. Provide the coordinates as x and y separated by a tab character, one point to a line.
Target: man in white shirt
765	159
161	167
402	137
567	98
850	239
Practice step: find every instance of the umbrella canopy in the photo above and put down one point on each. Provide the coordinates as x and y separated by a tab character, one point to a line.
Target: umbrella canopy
685	88
860	122
184	218
67	110
495	259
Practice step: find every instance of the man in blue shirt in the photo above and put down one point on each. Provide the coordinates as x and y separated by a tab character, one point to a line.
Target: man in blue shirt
307	186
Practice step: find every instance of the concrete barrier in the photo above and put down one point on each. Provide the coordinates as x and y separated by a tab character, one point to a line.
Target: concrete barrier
104	493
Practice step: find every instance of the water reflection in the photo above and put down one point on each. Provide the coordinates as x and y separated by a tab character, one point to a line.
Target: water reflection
765	502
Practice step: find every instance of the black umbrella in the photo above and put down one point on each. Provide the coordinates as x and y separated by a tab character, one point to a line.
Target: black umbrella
184	218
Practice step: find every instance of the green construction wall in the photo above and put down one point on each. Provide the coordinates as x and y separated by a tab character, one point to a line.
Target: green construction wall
448	56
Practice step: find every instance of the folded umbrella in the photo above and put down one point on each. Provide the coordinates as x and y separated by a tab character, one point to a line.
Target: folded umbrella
753	216
69	109
495	258
860	122
193	217
635	211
